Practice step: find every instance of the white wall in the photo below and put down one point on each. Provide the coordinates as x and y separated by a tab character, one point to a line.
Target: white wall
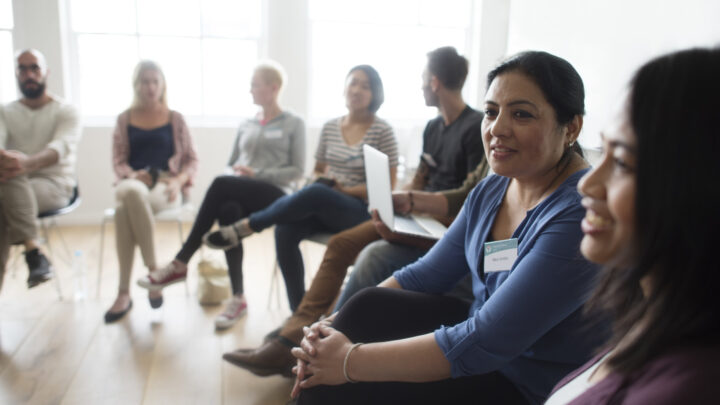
608	40
605	40
37	26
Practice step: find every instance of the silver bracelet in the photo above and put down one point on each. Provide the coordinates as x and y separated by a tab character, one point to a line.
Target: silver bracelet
345	362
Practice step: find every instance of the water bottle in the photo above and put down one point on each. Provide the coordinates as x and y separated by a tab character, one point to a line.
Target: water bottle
79	276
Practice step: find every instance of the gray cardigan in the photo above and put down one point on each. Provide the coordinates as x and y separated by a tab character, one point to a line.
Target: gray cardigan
276	150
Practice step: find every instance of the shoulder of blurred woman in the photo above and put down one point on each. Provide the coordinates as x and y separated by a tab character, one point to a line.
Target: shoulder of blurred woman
177	118
680	375
124	117
294	118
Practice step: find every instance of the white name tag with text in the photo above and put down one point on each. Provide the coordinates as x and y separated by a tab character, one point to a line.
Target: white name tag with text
273	134
500	255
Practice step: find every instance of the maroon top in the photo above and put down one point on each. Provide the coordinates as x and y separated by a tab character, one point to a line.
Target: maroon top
683	376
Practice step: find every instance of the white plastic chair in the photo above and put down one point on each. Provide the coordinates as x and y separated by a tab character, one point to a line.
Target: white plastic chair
322	238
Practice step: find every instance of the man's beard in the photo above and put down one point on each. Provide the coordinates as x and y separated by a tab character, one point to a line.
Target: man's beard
38	91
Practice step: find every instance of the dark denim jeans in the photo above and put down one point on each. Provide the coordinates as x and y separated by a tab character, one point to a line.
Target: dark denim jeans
314	209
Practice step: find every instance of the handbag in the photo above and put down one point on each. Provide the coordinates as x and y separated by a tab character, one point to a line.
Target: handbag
213	282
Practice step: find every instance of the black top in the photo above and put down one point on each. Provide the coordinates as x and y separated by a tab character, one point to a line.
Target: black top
451	152
150	148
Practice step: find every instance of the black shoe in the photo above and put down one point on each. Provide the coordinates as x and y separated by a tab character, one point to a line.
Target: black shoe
40	268
156	303
111	317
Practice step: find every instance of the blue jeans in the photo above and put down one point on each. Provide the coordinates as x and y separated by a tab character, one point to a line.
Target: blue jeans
380	259
376	262
316	208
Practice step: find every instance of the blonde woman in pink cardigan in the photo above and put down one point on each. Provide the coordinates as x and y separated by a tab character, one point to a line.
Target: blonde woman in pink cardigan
154	162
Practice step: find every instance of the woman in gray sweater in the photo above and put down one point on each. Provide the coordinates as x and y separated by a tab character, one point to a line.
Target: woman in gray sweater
268	156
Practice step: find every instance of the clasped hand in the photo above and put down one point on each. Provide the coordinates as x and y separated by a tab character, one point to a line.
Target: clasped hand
320	357
12	164
172	184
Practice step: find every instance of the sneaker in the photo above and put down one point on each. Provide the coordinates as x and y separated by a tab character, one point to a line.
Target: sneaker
226	237
40	268
163	277
233	312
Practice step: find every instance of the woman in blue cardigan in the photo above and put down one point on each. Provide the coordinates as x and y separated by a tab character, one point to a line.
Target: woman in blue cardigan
518	235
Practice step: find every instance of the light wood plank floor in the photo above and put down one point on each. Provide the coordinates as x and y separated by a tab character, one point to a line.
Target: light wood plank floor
61	352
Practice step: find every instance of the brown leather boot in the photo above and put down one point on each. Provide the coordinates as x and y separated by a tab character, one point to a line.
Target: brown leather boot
273	357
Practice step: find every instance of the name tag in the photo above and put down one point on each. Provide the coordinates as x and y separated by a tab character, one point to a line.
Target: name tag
429	160
273	134
500	255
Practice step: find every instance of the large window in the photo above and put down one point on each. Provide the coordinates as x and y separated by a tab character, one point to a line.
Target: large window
7	66
392	36
207	49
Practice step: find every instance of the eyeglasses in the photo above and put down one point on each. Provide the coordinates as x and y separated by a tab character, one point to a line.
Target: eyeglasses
22	69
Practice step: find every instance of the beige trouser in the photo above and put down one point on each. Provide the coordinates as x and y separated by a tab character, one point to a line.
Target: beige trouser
134	223
21	198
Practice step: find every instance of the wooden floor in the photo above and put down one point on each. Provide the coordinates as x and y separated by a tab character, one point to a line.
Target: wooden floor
60	351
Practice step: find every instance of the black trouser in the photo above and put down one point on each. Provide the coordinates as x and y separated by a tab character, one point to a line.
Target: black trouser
382	314
229	199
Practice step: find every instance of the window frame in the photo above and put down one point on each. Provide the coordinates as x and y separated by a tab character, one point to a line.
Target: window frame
470	90
203	119
12	83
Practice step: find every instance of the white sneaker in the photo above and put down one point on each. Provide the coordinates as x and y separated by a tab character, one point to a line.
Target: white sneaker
227	236
235	309
163	277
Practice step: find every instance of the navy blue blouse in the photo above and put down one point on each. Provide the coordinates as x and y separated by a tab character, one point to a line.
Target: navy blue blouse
150	148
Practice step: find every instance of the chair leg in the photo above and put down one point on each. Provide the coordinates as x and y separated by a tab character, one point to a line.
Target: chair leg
50	251
180	234
274	286
44	228
12	264
68	254
180	230
100	255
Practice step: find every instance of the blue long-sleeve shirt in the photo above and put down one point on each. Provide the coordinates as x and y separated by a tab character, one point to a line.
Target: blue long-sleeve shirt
526	323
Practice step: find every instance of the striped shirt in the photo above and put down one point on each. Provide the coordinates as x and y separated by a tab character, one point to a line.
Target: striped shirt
345	162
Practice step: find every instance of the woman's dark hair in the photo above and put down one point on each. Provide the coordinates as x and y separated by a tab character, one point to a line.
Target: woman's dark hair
376	86
560	83
673	109
448	66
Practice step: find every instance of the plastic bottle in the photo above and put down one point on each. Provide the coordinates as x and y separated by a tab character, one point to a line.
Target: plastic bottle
79	276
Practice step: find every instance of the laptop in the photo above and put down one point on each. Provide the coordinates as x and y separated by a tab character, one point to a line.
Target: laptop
377	175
